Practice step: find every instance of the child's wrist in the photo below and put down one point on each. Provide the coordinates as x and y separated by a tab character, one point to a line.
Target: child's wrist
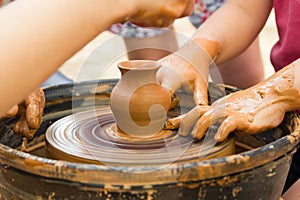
212	48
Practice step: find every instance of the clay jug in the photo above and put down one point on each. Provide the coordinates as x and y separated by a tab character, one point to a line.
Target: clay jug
138	102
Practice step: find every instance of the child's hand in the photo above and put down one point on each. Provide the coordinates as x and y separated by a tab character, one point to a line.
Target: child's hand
187	68
180	73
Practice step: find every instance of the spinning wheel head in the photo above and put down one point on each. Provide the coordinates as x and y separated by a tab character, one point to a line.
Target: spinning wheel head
92	137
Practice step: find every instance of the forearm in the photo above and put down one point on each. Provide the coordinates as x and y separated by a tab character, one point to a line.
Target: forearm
232	28
283	88
223	35
289	83
35	43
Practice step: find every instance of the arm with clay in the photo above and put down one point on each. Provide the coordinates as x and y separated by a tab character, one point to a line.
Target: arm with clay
255	109
225	34
249	111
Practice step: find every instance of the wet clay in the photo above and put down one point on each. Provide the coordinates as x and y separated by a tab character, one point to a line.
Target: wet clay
253	109
249	111
94	138
278	88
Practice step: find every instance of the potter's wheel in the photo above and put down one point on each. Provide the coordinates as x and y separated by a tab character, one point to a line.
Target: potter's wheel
257	170
92	137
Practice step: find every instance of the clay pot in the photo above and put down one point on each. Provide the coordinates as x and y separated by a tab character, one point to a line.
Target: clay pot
138	102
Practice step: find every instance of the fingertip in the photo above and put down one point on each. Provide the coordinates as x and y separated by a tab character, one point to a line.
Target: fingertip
195	132
200	92
228	125
199	99
219	138
204	122
199	131
222	134
182	131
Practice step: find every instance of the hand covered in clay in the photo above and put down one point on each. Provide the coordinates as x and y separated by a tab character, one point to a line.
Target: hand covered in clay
160	13
256	109
188	69
176	73
30	112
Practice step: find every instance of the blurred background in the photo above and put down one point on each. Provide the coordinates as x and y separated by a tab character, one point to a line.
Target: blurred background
107	49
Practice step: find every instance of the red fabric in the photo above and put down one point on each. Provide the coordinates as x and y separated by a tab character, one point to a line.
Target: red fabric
287	49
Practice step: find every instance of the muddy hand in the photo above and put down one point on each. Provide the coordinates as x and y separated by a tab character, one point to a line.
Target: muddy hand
160	13
186	121
180	74
187	69
253	110
30	112
176	72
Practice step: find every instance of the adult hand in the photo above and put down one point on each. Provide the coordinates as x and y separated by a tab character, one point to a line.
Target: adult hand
253	110
30	112
160	13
